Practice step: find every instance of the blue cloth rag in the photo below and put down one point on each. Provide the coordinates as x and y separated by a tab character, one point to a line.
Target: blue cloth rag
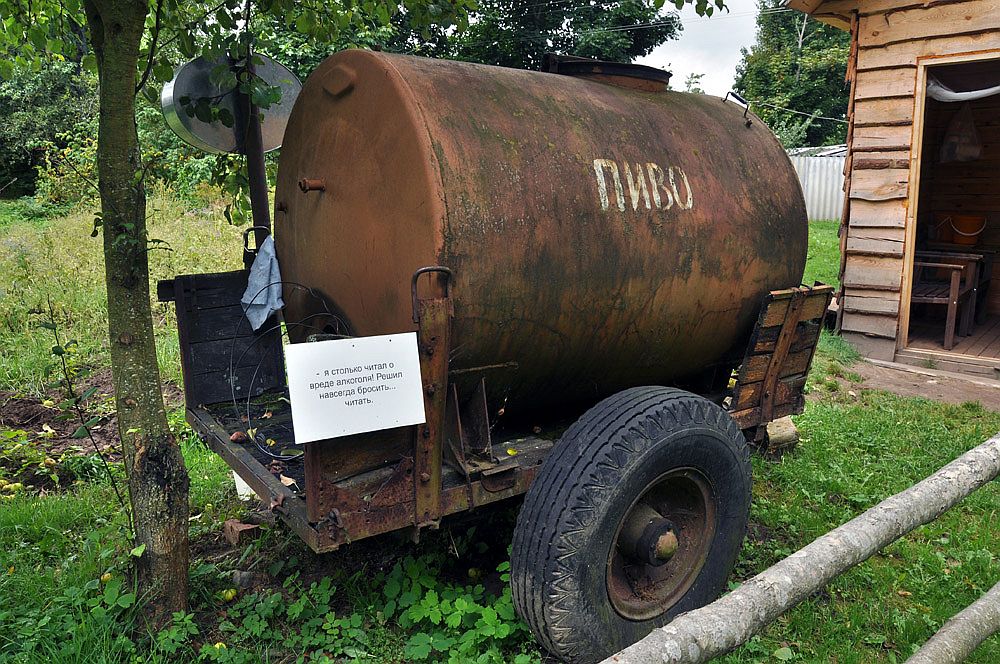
262	297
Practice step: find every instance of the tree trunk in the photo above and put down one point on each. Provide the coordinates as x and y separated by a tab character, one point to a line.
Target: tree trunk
714	630
961	635
158	481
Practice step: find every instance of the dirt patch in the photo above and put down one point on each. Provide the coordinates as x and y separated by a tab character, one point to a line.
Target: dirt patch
53	428
926	383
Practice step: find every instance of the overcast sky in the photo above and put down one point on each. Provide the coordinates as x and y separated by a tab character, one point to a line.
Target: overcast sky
709	46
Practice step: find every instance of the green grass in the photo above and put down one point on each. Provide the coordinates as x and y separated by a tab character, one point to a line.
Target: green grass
856	451
823	262
44	258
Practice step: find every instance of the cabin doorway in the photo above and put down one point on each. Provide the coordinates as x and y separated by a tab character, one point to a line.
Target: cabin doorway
952	290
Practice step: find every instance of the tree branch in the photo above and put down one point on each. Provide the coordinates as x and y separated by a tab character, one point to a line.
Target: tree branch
154	37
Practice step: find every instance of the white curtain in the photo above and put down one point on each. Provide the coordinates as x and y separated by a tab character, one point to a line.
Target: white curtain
938	90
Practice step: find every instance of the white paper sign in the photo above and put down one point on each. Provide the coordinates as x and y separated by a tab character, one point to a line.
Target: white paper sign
348	386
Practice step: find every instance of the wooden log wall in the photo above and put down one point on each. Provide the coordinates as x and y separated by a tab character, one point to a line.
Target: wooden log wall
892	36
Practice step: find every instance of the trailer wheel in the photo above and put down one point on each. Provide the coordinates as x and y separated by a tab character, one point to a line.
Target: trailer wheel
637	515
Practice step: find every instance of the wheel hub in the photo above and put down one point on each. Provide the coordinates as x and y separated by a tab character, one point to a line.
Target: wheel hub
661	544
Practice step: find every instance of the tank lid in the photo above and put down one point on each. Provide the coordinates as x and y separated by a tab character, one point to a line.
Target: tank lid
638	77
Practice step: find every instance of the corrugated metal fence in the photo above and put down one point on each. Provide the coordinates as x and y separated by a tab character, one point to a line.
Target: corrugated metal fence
822	181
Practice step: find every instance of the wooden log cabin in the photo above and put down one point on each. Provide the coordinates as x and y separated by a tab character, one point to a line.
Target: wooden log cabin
921	225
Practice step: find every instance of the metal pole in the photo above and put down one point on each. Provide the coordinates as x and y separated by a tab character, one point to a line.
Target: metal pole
253	149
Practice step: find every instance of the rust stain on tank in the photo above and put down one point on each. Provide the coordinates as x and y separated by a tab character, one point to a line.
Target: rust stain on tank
600	236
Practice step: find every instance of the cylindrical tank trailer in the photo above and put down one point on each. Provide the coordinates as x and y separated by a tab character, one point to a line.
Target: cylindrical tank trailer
600	235
580	240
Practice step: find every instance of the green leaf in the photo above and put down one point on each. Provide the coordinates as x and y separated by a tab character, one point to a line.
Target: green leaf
58	351
419	646
783	654
37	37
392	588
162	71
185	41
81	432
89	392
203	111
89	63
137	551
306	22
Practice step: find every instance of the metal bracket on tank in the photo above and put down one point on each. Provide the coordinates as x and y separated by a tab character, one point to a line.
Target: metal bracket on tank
433	317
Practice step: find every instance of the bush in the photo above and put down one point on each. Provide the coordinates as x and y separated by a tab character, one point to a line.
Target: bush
36	107
68	174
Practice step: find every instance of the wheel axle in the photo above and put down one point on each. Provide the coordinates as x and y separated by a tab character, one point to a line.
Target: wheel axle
646	537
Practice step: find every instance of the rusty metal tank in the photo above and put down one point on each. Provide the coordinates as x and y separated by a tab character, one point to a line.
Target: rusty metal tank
603	232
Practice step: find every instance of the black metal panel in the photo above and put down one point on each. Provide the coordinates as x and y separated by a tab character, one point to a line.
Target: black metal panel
221	356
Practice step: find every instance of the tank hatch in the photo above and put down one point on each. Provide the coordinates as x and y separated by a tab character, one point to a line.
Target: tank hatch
625	75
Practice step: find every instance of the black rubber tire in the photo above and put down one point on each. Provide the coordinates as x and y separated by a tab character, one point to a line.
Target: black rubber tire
568	522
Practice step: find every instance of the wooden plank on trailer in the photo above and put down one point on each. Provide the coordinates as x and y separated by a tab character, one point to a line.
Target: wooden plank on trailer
776	312
756	366
749	396
805	335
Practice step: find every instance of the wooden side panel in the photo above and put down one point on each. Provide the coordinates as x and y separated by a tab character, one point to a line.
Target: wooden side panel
876	241
900	82
880	185
879	326
878	214
875	273
882	29
865	301
884	111
774	369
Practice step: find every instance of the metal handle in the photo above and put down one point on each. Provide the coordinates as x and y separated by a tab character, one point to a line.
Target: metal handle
250	254
246	235
746	105
737	97
413	286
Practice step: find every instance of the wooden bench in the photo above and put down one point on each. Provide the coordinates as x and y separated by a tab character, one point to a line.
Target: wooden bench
957	290
985	277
